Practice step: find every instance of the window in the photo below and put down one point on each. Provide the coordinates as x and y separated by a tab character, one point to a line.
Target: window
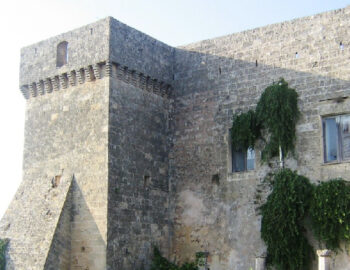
243	160
336	138
62	54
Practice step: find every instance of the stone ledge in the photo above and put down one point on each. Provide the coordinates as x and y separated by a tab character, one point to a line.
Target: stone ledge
95	72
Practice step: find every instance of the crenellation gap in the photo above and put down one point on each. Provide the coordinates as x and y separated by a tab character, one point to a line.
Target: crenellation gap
89	73
96	70
63	78
41	87
119	72
25	91
125	77
55	83
72	78
108	68
81	75
48	85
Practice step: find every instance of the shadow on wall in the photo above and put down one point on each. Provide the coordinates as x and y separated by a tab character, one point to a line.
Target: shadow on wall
209	89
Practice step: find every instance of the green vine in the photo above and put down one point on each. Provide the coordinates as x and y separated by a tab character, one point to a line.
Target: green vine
293	197
278	113
330	212
245	130
161	263
3	246
282	226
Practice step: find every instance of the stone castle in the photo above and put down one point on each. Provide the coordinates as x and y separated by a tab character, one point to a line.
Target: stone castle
127	142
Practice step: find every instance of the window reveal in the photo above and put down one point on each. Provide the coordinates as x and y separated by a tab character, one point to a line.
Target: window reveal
336	138
243	160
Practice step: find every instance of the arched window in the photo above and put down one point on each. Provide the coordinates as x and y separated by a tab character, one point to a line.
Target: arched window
62	54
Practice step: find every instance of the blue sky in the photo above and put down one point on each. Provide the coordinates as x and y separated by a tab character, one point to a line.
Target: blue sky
175	22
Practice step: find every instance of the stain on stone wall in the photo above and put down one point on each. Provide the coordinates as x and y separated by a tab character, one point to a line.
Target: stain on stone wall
218	77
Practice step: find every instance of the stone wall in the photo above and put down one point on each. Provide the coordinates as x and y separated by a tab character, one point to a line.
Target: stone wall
127	145
87	45
59	255
140	52
66	135
138	215
218	77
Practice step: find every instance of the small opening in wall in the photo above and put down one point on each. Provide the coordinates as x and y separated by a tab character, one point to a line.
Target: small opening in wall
173	76
215	179
35	50
55	181
62	54
82	249
256	63
296	55
146	181
341	45
220	70
91	31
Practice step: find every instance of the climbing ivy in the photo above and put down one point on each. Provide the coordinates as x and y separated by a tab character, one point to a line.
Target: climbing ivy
161	263
277	111
275	116
245	130
282	226
292	197
330	212
3	246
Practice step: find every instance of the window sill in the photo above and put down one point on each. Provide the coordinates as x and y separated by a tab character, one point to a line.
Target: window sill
335	163
240	176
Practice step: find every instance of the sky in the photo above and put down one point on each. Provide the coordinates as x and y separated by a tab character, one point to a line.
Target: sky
175	22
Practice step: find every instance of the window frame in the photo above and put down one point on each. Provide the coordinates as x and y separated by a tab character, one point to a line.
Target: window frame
245	154
340	142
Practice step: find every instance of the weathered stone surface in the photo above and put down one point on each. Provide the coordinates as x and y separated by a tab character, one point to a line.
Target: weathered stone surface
217	77
127	145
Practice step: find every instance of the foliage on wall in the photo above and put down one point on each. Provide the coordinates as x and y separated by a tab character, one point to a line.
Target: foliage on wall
245	130
282	226
293	197
161	263
278	113
3	246
330	212
275	116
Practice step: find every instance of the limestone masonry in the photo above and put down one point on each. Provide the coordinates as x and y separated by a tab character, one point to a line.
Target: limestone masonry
127	142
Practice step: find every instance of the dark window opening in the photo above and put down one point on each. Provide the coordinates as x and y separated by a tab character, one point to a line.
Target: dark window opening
146	181
243	160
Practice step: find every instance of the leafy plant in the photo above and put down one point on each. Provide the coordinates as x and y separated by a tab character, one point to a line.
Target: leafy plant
277	111
201	258
277	114
161	263
3	246
245	130
282	221
330	212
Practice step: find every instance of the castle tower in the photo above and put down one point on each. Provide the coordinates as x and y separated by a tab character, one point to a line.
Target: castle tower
94	193
127	142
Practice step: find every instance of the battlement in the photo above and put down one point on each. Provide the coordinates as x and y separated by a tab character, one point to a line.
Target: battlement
104	48
95	72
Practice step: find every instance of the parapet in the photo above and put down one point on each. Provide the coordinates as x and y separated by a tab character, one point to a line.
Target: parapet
104	48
